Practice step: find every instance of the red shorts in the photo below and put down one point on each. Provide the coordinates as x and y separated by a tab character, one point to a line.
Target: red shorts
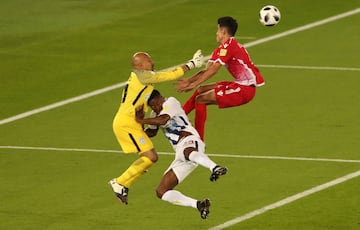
230	94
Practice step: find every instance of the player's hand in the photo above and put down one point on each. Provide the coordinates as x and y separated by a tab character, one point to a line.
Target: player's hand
183	85
139	112
197	60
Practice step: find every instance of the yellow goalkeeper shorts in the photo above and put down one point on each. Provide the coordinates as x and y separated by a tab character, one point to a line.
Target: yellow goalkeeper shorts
131	135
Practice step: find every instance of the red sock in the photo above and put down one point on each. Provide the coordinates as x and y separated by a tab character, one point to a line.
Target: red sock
190	103
200	118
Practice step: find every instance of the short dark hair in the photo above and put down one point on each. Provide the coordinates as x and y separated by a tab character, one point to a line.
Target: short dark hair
154	94
229	23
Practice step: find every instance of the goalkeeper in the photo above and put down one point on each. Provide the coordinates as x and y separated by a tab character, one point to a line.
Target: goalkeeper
129	133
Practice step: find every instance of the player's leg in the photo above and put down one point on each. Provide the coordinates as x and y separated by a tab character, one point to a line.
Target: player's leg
230	94
202	99
138	168
207	97
189	105
166	192
136	141
121	184
197	155
176	173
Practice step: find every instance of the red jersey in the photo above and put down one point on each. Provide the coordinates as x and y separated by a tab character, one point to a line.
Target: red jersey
236	59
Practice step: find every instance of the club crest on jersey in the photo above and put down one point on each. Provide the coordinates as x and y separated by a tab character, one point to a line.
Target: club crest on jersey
142	140
223	52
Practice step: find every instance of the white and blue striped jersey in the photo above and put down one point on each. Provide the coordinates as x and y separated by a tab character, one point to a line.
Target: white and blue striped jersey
178	121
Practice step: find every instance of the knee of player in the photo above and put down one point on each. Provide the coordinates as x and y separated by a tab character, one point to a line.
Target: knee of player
188	151
202	98
160	192
151	154
201	89
154	157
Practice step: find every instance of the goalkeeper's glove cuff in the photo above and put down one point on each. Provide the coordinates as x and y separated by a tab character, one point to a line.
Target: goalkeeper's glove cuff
190	65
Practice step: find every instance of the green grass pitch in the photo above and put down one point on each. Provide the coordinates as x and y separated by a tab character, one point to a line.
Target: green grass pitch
51	51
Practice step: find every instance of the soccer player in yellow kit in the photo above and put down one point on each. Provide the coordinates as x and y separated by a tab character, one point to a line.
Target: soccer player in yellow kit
129	133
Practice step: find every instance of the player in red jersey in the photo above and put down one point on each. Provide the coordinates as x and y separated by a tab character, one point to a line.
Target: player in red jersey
225	94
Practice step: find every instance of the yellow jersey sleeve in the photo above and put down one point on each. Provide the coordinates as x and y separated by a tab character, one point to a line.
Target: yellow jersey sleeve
149	77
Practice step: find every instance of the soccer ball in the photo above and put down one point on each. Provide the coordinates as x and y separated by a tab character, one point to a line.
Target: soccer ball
269	15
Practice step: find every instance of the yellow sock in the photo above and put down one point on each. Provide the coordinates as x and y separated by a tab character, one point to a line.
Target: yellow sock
136	169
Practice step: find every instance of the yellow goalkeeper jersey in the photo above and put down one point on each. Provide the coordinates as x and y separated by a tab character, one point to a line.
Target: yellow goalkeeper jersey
128	132
139	88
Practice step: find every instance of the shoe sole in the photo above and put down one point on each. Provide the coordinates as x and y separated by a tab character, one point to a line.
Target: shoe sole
206	211
117	195
218	173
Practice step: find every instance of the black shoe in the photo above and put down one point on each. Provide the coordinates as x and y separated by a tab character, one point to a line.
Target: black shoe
120	191
203	207
217	171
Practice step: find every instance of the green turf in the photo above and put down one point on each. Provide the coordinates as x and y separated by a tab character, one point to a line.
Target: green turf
54	50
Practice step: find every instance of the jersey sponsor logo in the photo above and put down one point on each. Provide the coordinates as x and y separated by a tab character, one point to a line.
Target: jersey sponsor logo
223	52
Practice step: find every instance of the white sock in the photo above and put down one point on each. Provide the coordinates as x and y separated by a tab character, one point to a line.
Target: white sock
177	198
202	159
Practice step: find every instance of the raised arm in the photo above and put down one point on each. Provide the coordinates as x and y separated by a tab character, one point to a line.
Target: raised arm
187	84
149	77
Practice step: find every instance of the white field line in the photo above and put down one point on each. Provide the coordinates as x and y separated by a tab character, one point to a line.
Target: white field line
61	103
286	201
112	87
169	153
310	67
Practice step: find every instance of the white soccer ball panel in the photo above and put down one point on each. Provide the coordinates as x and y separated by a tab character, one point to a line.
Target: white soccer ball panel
269	15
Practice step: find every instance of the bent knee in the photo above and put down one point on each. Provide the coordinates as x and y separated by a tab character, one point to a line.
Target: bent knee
151	154
206	98
154	158
160	192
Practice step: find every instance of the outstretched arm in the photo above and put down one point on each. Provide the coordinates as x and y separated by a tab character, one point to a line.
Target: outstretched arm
187	84
149	77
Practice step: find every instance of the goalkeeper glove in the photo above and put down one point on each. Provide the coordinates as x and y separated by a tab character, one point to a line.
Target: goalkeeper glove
197	60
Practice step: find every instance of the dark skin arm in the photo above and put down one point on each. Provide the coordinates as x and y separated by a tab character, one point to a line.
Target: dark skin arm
151	132
160	120
140	117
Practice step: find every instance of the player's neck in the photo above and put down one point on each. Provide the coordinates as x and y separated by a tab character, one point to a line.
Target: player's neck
225	39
